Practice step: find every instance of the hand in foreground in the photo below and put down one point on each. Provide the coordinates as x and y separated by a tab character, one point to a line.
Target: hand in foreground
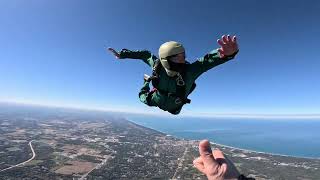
228	45
213	164
114	52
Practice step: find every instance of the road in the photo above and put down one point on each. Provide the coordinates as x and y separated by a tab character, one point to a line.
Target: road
180	163
97	167
23	163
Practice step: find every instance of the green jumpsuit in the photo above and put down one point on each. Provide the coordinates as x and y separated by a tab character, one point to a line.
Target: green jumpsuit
169	84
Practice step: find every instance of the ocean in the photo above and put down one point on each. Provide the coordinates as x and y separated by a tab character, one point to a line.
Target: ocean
292	137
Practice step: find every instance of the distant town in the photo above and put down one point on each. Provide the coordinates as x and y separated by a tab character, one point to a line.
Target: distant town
57	143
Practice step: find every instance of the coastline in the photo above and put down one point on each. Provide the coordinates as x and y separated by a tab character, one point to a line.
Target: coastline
129	119
227	146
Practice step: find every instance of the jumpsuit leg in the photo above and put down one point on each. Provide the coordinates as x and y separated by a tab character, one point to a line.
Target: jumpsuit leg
176	111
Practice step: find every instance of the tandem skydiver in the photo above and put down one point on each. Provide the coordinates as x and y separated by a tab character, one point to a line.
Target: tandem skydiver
173	78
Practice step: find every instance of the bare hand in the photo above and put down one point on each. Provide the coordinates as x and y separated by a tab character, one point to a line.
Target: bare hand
114	52
213	164
228	45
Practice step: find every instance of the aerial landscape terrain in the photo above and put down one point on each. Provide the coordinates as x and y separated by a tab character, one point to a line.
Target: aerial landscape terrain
57	143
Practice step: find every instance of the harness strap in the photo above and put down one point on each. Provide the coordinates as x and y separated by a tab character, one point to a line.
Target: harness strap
178	99
180	85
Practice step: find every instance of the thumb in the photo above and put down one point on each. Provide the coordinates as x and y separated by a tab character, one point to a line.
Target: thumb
221	53
206	153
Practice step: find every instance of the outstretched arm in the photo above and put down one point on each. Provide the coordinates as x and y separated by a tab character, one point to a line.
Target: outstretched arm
144	55
227	51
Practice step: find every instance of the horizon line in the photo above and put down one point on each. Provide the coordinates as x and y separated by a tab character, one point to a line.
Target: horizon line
315	116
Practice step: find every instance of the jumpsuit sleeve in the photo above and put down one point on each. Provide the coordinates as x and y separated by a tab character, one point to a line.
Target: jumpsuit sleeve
145	95
144	55
209	61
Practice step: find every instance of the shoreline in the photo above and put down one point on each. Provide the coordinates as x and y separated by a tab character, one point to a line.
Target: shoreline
227	146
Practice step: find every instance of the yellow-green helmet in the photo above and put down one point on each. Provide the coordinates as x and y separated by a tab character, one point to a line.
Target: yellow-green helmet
169	49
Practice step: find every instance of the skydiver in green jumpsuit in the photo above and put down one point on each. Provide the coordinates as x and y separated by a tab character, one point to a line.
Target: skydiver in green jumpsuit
173	77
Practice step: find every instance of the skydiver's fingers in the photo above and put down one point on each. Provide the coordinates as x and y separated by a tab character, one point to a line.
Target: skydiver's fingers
198	163
221	52
219	157
221	43
114	52
218	154
229	38
221	160
111	49
234	39
223	168
206	153
224	39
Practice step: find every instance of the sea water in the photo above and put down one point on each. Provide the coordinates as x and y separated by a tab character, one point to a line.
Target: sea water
293	137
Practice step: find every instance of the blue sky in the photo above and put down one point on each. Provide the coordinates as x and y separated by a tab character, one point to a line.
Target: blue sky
52	52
